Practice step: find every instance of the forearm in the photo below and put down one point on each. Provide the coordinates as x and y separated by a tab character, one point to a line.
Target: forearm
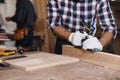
61	32
106	38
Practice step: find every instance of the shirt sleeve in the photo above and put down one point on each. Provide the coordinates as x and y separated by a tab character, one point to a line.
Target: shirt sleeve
106	18
54	17
18	13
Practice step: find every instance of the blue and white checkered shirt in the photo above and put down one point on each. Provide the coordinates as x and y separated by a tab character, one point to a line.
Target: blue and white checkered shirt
68	14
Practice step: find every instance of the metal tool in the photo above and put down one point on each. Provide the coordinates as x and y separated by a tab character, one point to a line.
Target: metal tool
4	65
89	32
94	50
20	50
86	28
14	57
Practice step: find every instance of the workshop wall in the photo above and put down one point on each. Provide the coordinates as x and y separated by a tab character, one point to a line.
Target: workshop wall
10	10
115	6
41	27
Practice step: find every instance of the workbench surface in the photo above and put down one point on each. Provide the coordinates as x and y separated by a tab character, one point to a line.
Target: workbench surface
72	71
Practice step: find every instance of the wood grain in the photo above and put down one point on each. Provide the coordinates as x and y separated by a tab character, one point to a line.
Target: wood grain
40	60
106	60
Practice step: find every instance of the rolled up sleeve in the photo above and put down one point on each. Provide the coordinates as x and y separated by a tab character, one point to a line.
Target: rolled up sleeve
54	17
106	18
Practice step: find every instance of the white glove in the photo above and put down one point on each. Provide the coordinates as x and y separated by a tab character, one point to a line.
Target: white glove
92	43
76	38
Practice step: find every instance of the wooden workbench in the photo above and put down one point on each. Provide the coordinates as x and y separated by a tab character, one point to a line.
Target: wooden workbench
73	71
81	70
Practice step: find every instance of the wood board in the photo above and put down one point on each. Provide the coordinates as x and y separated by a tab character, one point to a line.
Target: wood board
40	60
106	60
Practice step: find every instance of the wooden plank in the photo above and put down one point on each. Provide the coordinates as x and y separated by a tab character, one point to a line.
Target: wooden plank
106	60
40	60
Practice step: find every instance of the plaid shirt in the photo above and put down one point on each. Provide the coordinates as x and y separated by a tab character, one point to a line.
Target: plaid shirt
68	14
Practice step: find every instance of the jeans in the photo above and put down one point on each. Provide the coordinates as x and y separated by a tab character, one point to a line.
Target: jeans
59	43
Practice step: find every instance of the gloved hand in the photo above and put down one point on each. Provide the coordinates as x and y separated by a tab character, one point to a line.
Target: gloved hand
92	43
77	37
